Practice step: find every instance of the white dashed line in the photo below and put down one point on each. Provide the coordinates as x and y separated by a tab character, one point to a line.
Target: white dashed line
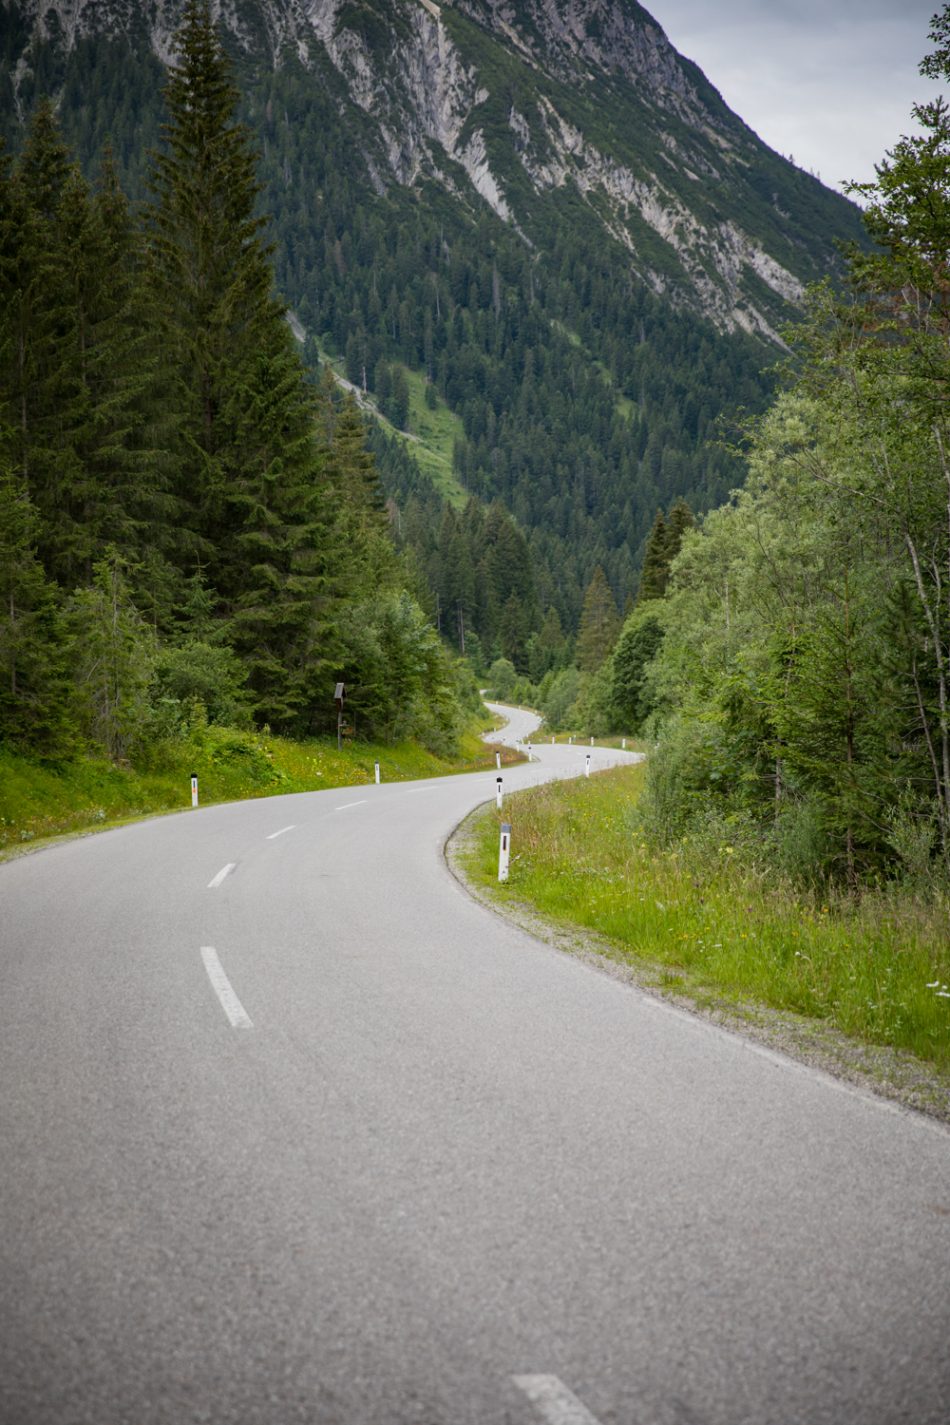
553	1401
274	834
351	804
221	985
215	881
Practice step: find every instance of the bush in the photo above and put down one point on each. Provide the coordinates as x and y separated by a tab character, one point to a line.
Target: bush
691	774
501	678
561	697
209	674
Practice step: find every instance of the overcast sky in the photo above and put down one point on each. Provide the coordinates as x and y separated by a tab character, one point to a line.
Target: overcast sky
830	82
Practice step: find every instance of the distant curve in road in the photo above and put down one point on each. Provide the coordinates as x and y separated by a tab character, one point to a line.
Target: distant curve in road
323	1140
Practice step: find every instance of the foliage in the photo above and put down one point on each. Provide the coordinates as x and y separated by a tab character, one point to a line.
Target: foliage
628	701
804	662
663	545
191	534
114	661
34	642
501	678
599	624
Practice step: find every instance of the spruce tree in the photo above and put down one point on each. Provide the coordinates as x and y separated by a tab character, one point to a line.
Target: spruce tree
678	521
210	284
75	379
36	699
38	327
655	562
599	625
248	469
663	545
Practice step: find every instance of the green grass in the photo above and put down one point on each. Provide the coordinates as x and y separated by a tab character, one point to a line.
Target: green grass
436	432
877	970
39	800
431	436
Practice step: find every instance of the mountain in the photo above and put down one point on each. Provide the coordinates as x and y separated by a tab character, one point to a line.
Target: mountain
537	217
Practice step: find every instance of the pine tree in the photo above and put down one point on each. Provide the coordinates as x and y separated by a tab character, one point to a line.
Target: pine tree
35	690
115	654
599	625
37	324
210	284
678	521
76	384
248	466
663	545
655	562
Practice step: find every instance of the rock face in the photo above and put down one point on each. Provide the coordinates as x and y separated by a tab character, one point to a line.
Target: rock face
507	102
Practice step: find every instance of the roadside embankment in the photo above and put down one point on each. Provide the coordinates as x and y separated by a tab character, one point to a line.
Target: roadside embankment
40	799
861	989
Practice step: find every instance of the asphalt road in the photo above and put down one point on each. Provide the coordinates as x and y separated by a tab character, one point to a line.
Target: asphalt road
322	1140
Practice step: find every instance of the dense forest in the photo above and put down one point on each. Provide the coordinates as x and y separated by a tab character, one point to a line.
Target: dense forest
581	400
190	527
792	654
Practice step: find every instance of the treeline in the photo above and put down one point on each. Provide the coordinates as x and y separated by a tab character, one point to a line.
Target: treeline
796	667
189	527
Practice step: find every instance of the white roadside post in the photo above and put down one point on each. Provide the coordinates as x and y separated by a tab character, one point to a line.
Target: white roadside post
587	766
504	851
530	754
497	759
498	793
552	741
592	742
194	789
376	765
623	744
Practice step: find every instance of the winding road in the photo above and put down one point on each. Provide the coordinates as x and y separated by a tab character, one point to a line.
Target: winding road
292	1130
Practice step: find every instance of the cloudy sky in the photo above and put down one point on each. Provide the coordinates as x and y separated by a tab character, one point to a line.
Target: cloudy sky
830	82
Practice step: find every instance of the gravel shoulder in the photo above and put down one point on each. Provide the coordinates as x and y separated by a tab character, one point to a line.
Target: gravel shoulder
875	1069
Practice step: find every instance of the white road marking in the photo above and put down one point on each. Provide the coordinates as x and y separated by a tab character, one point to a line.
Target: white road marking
351	804
215	881
274	834
221	985
553	1401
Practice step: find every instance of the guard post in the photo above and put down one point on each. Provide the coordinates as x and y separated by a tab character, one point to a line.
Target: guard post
504	851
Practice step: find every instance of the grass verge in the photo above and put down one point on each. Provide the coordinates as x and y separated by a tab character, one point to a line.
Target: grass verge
39	800
722	937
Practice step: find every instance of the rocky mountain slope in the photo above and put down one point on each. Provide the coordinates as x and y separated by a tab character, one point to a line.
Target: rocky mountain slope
515	102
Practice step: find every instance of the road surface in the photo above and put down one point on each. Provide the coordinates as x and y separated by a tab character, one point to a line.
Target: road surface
292	1130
